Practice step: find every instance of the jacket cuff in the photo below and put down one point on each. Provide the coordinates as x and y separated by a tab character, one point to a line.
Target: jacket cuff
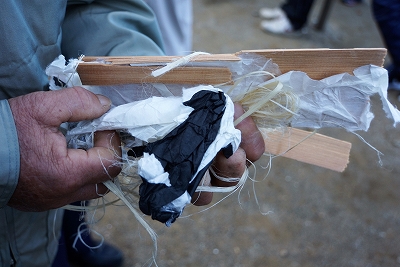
9	154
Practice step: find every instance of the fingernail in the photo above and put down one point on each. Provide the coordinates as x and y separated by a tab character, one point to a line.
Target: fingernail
106	102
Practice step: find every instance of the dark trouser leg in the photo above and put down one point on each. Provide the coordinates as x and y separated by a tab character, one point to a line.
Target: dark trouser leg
71	222
61	259
81	255
387	14
297	12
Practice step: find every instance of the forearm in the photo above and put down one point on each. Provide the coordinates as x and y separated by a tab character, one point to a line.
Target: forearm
9	154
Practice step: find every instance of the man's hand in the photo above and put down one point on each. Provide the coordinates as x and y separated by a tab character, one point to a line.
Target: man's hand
251	147
51	175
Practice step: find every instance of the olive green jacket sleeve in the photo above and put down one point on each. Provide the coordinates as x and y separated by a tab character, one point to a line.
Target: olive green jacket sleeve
9	154
38	31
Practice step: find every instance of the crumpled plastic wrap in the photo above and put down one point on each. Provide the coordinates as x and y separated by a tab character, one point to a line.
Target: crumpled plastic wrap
341	100
63	75
148	113
149	120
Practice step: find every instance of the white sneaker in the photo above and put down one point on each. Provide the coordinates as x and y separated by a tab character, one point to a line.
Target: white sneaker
271	13
279	25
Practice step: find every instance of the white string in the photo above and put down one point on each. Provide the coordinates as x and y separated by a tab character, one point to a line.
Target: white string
260	103
230	189
79	237
179	62
378	153
117	191
223	179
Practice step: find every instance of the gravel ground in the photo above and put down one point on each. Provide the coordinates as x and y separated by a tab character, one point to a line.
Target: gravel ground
306	215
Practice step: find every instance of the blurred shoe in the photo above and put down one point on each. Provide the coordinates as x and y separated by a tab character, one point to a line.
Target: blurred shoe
279	25
271	13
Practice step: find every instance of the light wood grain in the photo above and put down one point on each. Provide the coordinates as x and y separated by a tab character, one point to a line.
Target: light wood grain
322	63
317	63
106	74
308	147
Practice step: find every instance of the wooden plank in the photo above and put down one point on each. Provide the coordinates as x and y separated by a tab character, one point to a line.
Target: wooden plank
108	74
317	63
308	147
322	63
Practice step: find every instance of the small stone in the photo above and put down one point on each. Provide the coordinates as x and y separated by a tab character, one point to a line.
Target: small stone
283	253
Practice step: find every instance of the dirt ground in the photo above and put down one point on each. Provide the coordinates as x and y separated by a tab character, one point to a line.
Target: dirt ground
306	215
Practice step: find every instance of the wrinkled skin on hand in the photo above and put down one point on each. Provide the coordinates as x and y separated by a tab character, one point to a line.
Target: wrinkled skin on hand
51	175
251	147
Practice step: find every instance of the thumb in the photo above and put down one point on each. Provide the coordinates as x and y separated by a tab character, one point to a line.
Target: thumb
75	104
